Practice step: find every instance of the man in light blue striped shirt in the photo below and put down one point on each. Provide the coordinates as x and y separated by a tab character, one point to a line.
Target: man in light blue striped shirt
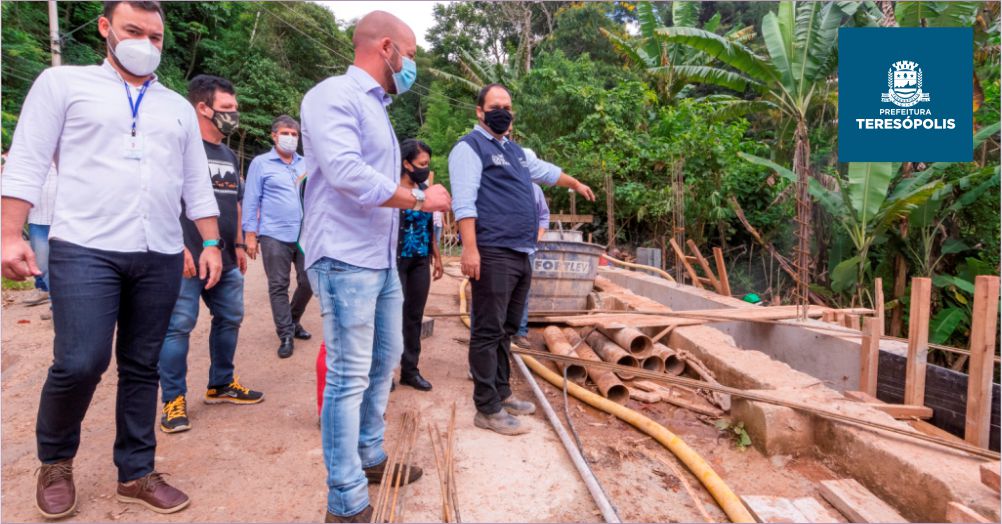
350	236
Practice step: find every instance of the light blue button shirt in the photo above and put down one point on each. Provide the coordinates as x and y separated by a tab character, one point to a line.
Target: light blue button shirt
353	165
465	170
272	189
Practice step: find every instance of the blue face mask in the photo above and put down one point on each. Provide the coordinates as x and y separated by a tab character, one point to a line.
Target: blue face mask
405	78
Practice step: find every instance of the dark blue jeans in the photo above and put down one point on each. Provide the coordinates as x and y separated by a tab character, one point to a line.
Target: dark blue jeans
226	305
94	291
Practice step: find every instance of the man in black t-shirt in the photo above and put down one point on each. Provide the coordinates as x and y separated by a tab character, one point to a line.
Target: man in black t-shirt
216	106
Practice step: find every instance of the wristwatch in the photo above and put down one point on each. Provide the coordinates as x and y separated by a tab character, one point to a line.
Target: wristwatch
419	195
216	243
241	246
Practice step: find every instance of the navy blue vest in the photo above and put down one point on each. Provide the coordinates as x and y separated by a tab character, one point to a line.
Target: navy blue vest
506	209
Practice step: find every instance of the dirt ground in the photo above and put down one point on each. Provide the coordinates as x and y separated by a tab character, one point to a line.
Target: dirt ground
263	463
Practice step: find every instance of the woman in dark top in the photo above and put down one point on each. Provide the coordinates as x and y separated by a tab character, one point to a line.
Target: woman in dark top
417	254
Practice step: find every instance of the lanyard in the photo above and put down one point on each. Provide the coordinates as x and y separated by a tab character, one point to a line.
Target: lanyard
139	100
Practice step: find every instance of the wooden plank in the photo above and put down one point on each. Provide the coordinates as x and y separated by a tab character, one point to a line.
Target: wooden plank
984	321
704	264
861	396
851	321
869	355
828	316
813	510
927	428
680	256
772	509
990	475
878	302
725	282
856	502
572	219
957	512
903	411
918	341
691	317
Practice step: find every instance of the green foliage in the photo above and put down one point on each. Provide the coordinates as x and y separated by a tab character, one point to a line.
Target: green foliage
735	431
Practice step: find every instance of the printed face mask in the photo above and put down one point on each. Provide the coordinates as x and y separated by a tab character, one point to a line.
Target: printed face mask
137	55
226	121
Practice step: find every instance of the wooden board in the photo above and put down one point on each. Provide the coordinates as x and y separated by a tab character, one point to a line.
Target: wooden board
704	264
869	356
857	503
957	512
685	263
903	411
725	283
878	302
778	509
990	475
572	219
860	396
984	321
918	341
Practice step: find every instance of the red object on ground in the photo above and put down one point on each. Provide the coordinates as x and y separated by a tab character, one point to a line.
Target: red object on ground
321	375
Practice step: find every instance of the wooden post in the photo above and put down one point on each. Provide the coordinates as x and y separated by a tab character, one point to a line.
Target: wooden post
878	302
685	263
977	427
918	342
610	208
725	283
851	321
828	316
900	275
703	264
869	355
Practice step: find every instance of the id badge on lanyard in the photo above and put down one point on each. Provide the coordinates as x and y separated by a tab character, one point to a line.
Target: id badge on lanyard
133	143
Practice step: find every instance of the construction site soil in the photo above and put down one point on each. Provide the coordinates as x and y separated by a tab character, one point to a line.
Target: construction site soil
264	463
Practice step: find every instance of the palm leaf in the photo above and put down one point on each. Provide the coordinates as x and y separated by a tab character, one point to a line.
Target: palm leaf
685	14
731	53
956	14
772	33
900	208
868	183
712	75
821	44
911	14
455	79
648	24
726	107
626	48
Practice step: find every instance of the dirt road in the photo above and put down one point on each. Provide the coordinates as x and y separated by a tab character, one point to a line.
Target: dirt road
264	463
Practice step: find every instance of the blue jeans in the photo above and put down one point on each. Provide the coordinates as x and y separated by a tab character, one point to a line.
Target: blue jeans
362	311
38	237
93	293
523	326
226	305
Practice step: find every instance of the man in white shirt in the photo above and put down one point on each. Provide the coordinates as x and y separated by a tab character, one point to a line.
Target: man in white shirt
127	149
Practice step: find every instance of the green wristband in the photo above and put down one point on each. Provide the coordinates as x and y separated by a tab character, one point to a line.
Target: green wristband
210	243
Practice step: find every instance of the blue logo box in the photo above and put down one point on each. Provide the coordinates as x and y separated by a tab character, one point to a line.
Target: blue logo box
905	94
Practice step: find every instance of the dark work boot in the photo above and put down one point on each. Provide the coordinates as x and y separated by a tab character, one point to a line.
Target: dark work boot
285	350
362	516
301	333
374	474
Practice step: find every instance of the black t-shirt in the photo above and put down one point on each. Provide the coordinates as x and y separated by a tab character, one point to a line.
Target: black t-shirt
229	188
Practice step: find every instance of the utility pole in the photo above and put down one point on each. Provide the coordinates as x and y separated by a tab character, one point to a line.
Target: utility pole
57	57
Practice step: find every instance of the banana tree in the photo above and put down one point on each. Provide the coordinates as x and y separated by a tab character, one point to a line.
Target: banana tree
672	67
865	209
801	39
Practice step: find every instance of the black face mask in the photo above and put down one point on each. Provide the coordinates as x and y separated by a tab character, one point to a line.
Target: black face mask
419	176
226	121
498	120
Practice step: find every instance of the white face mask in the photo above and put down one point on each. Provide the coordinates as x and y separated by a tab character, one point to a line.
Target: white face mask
137	55
288	143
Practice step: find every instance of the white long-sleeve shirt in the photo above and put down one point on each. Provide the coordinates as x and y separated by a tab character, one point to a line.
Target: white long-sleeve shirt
41	213
80	117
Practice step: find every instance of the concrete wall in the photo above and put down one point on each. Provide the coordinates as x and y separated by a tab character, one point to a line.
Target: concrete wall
831	358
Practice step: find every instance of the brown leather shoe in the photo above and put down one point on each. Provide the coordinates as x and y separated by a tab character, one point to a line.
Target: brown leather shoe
153	492
362	516
56	496
375	473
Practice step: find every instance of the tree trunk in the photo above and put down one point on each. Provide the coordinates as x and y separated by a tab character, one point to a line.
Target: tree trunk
887	7
610	209
802	166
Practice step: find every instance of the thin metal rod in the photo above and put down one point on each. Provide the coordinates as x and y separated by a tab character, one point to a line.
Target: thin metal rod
597	493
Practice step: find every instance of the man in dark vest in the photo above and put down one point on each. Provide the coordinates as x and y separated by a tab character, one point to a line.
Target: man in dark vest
494	205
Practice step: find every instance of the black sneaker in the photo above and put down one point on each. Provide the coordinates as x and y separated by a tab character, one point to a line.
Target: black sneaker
175	417
233	393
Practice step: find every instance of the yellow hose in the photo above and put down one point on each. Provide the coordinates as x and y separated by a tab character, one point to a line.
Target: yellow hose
631	265
726	498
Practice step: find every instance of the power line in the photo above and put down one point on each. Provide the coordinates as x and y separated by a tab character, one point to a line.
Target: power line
427	90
